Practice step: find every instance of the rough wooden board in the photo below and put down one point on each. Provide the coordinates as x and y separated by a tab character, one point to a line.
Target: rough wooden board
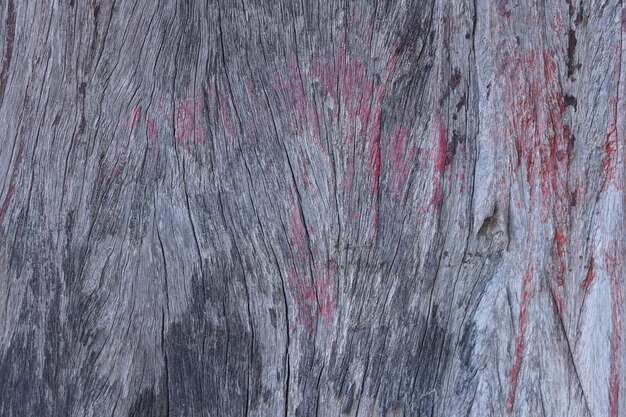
302	208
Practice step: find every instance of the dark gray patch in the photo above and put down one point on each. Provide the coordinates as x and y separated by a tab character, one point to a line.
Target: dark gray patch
22	391
570	100
148	404
571	64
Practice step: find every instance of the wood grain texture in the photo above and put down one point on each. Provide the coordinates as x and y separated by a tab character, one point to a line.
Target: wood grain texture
312	208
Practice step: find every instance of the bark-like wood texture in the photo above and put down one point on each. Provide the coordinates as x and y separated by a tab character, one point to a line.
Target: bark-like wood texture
312	208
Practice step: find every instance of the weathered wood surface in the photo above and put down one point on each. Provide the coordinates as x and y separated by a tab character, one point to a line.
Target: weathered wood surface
302	208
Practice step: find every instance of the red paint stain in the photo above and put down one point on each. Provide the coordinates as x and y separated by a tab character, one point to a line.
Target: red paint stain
519	344
558	301
535	118
188	123
589	277
297	235
611	264
441	150
559	239
303	295
183	125
311	298
153	139
324	287
356	96
439	161
374	143
132	119
135	117
610	150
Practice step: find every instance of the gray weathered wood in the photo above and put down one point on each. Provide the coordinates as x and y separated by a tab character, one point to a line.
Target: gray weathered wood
301	208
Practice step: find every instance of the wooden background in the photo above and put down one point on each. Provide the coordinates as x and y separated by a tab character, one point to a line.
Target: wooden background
312	208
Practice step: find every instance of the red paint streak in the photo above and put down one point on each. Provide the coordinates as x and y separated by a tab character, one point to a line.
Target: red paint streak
558	301
616	336
554	158
440	139
153	138
311	298
374	132
462	183
188	122
589	277
324	286
535	118
183	125
297	235
559	238
610	149
519	344
135	117
357	97
303	296
439	161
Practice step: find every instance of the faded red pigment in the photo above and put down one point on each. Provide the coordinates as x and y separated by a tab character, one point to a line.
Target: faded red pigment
589	277
611	264
132	120
188	122
135	117
610	151
315	296
559	238
536	120
297	235
519	344
348	85
312	298
439	161
374	131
